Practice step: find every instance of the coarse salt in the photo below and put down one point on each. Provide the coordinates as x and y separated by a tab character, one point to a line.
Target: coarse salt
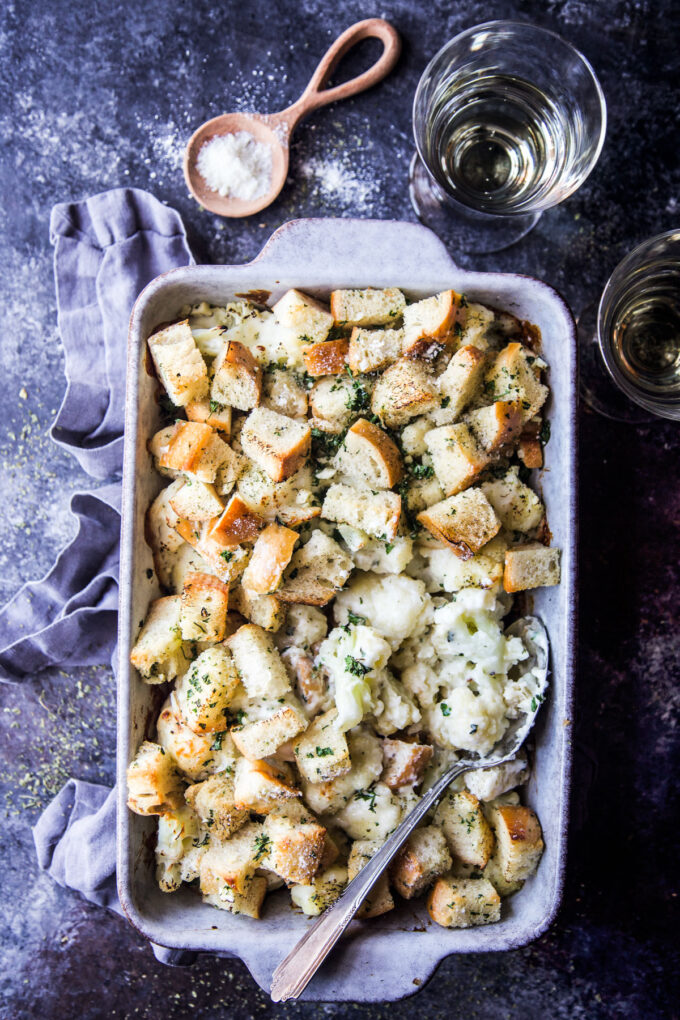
236	165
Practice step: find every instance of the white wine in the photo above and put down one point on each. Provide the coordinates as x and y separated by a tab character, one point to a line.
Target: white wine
646	332
498	143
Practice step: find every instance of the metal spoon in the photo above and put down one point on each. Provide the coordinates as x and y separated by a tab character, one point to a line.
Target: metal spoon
275	129
292	975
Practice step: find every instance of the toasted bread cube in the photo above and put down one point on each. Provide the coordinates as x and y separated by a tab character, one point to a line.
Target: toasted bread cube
322	752
229	471
232	863
367	307
330	402
464	902
467	831
266	611
478	329
376	513
237	524
194	449
515	375
263	738
316	572
203	613
198	755
429	321
161	535
196	501
496	425
278	444
493	873
284	394
320	894
206	690
516	505
227	563
179	364
404	763
158	654
366	765
297	846
258	786
422	493
327	358
259	665
154	783
238	377
248	903
459	384
372	350
465	522
212	413
457	457
379	900
213	802
424	857
404	391
272	553
531	566
519	841
158	445
529	447
487	784
307	316
370	457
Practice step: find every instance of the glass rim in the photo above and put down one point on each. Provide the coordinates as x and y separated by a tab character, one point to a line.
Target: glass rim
539	30
666	407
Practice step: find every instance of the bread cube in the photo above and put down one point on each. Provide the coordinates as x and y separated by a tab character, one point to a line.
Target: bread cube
516	505
316	572
232	863
322	753
327	358
459	384
212	413
196	501
479	327
158	653
529	447
259	664
404	391
457	457
237	379
203	613
497	425
515	375
369	457
307	316
322	893
284	394
379	900
229	471
179	364
198	755
206	690
213	801
372	350
153	780
296	846
330	402
367	307
161	535
519	841
211	555
366	766
262	738
266	611
464	522
177	831
405	763
249	903
376	513
272	553
237	524
258	786
487	784
465	827
278	444
531	566
195	450
464	902
429	321
494	874
424	857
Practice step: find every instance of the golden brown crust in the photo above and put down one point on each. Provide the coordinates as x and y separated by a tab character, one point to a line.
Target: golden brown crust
237	524
405	763
187	445
271	555
327	358
391	463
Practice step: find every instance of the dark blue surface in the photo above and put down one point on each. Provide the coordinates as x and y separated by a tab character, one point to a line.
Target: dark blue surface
97	95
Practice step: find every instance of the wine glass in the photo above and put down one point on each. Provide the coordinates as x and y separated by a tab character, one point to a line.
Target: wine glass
509	120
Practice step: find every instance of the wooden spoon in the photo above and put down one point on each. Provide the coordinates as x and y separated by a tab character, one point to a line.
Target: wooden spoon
275	129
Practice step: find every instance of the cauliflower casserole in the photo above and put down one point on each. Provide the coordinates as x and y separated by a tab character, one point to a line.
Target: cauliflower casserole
345	517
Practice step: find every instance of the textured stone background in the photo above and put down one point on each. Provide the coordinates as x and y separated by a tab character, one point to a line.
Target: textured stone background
97	95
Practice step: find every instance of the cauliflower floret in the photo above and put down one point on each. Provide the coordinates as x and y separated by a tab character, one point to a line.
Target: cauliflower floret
395	606
372	813
177	834
352	656
395	709
468	628
469	719
422	682
384	557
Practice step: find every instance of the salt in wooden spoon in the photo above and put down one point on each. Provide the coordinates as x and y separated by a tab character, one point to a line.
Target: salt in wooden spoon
276	129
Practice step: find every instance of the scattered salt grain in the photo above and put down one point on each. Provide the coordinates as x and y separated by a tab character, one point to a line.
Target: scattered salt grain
236	165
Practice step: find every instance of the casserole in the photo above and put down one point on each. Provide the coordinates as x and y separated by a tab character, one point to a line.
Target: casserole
319	256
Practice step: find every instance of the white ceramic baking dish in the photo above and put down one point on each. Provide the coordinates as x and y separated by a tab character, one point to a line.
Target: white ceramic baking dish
392	956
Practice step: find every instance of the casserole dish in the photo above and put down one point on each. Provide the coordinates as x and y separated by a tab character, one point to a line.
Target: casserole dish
368	965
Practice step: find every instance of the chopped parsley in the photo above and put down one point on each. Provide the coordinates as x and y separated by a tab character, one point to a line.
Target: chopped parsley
323	752
262	845
446	709
422	470
215	407
217	742
544	434
354	618
359	399
226	555
368	795
355	667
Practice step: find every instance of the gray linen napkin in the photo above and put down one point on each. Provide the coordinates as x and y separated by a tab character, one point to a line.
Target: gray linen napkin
107	248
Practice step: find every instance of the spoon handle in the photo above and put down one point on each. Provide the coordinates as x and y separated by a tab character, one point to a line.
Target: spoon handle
292	975
315	95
